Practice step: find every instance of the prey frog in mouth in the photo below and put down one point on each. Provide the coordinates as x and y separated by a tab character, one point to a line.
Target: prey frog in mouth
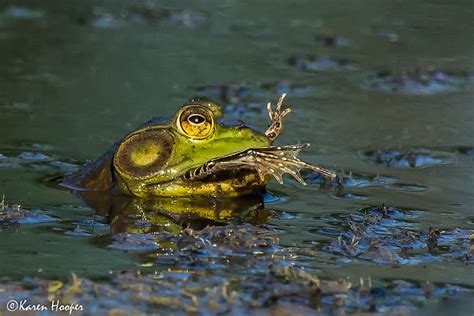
194	153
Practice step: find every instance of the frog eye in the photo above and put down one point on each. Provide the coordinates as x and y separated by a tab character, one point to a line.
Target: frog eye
196	122
144	152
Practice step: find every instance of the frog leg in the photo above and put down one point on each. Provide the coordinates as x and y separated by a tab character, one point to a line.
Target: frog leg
274	161
276	118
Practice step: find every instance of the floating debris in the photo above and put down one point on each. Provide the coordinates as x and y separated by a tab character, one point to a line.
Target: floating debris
225	93
226	241
91	223
105	19
350	180
78	232
38	161
33	156
241	92
351	196
14	214
264	282
9	162
134	242
196	270
14	12
387	33
37	146
330	39
288	87
415	82
242	99
323	63
388	235
15	106
343	182
466	150
412	158
187	18
388	30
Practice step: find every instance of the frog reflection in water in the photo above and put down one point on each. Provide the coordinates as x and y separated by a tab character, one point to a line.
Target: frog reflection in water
194	154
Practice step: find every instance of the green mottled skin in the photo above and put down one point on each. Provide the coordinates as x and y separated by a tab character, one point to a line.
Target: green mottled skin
185	153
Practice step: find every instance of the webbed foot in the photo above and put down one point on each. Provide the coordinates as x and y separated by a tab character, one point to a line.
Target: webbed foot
276	118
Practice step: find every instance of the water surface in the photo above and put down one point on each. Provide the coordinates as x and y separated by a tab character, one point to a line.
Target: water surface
76	77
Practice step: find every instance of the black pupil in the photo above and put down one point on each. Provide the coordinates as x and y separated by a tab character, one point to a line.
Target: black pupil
196	119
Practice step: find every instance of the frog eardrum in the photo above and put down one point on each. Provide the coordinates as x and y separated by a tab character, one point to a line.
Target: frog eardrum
143	152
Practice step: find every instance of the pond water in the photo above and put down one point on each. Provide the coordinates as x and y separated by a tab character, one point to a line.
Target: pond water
382	90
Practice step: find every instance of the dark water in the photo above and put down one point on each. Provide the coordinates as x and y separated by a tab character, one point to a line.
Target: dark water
76	77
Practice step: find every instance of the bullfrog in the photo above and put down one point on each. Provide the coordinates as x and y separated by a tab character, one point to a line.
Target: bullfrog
195	153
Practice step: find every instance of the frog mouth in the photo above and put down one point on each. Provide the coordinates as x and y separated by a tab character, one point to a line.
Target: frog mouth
266	161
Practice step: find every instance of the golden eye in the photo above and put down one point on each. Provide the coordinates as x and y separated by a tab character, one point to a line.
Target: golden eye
196	122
